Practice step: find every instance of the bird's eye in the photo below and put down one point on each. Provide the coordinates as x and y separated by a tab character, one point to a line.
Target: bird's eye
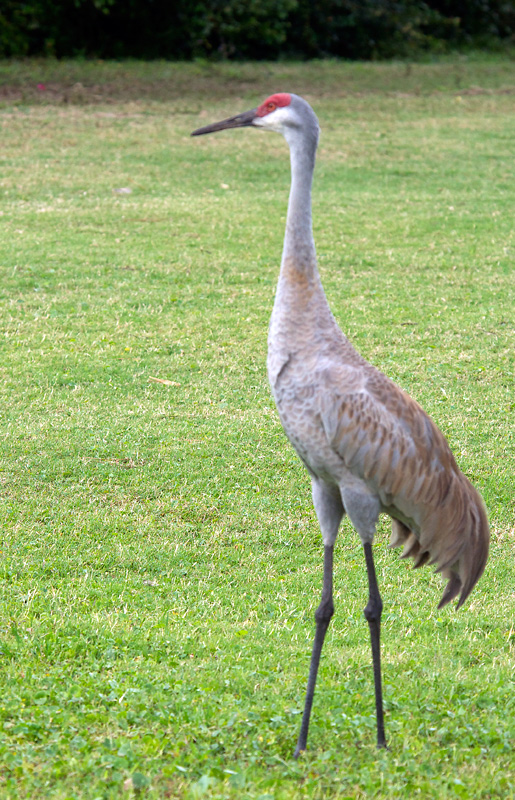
271	106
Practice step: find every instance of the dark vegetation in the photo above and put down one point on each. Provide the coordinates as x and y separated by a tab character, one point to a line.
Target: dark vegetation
251	29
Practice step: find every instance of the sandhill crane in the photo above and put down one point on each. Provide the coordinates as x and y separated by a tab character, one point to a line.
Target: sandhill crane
368	447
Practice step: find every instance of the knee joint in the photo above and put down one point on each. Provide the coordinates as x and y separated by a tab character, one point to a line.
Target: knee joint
324	611
373	610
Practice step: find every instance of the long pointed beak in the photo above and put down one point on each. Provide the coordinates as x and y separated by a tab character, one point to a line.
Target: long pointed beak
239	121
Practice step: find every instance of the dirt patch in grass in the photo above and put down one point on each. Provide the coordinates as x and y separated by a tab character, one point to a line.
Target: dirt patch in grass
47	82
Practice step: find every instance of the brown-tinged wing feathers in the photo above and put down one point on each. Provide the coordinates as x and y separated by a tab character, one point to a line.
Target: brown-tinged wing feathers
387	439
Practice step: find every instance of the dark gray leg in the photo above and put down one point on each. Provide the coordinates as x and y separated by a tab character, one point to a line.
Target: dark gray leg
323	616
373	616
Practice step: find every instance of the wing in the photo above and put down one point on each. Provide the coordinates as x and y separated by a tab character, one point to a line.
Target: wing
385	437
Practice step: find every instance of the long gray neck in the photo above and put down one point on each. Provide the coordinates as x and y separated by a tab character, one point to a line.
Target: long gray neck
299	248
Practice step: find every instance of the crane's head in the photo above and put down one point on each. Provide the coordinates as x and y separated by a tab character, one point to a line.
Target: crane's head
284	113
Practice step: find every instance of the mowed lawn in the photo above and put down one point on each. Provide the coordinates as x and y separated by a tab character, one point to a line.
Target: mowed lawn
160	557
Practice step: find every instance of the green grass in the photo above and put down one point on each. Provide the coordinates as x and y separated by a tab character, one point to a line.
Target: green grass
160	558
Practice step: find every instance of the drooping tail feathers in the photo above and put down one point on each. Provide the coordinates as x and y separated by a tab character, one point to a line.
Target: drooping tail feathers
454	536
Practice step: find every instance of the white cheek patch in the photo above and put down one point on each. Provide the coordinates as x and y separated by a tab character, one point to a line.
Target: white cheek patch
274	121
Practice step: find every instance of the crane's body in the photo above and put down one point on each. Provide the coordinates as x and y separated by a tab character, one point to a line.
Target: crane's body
368	447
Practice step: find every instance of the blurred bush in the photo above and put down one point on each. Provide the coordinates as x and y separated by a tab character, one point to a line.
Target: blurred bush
252	29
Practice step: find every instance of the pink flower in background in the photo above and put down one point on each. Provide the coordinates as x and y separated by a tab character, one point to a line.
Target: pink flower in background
41	87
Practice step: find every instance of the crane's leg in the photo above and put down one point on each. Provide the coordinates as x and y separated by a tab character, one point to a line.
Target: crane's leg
363	510
323	616
329	509
372	613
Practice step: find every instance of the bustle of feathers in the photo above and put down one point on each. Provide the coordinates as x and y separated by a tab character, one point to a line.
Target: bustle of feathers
385	436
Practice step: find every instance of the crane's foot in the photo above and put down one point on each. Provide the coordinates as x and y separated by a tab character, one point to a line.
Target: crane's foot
298	751
382	745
